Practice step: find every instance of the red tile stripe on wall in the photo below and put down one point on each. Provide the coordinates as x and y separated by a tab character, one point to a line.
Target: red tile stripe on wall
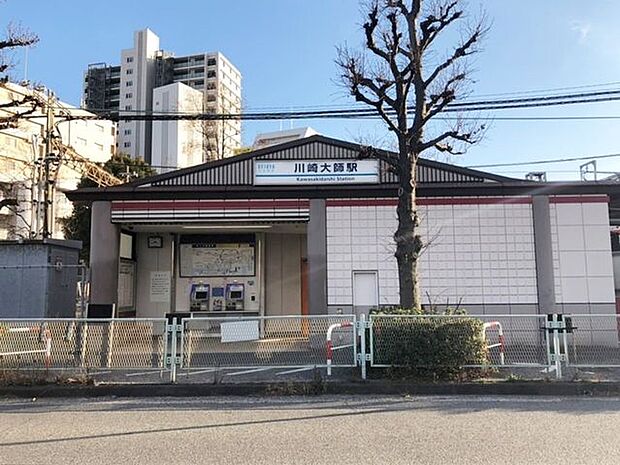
202	205
465	201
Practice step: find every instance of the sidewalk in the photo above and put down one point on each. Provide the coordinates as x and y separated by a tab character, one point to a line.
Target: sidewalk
373	387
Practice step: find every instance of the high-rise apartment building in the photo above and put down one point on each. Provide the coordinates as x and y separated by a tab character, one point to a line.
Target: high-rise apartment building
180	143
129	89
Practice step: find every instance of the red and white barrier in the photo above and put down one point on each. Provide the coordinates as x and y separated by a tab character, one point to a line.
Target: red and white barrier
501	343
45	335
329	345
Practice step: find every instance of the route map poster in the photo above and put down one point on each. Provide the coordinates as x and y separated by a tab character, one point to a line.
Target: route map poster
217	255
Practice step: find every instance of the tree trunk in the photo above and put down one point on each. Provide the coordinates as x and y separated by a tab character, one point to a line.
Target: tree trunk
408	240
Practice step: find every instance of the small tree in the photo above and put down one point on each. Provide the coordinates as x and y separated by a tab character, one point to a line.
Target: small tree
401	75
13	109
77	226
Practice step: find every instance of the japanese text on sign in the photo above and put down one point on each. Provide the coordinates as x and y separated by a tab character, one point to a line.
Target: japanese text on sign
278	172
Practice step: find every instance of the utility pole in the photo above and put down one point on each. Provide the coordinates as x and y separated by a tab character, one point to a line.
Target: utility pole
48	179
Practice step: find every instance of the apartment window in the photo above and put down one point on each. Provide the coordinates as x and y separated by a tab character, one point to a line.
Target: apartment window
128	95
211	62
99	127
129	59
127	132
211	74
211	86
99	147
127	107
129	71
210	98
127	144
129	83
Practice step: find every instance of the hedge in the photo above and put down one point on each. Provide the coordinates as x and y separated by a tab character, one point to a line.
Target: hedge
435	347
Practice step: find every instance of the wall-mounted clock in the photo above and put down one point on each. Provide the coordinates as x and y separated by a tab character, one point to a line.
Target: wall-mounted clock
155	242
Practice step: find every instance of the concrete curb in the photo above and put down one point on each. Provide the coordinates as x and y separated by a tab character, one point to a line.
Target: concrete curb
599	389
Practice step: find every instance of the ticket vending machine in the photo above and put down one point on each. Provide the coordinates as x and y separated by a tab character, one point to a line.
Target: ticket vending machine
235	296
199	298
217	299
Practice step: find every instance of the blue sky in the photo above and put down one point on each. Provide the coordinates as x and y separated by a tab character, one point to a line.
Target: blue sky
285	50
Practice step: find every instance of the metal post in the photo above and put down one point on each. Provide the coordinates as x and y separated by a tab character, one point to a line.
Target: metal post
362	355
556	350
173	350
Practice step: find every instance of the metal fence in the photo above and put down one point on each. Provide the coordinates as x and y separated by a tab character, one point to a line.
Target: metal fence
295	344
591	341
81	344
261	343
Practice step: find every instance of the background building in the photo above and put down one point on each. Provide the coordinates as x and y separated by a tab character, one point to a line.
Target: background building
144	68
176	143
267	139
23	146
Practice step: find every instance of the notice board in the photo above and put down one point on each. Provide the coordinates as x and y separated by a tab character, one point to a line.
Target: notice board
217	255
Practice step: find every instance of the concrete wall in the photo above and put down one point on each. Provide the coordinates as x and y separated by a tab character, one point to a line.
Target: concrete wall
283	260
148	261
481	253
584	276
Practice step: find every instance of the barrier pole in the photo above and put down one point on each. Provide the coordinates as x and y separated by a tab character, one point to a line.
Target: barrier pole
362	334
173	351
500	334
557	348
328	343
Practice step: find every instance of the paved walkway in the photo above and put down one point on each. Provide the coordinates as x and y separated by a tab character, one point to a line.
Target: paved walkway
321	430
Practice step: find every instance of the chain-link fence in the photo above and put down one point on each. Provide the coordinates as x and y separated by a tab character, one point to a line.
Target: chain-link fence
80	344
293	344
264	342
592	341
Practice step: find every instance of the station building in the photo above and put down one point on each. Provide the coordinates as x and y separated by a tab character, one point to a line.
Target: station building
306	227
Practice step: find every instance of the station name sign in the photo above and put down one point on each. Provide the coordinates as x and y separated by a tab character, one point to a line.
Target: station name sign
292	172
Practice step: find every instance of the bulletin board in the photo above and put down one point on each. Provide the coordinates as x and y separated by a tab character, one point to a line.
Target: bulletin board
217	255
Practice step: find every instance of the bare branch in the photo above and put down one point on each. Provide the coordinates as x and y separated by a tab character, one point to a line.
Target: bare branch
370	27
370	152
439	101
467	47
356	80
469	138
433	24
15	37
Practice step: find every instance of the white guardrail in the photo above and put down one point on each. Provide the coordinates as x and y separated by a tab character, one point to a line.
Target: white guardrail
43	335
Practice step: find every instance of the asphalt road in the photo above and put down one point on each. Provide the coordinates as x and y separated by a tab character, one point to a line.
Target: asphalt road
330	430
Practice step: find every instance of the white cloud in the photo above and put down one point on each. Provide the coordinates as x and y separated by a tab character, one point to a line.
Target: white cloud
582	28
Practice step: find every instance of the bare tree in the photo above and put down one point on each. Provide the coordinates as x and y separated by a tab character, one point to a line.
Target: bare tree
401	74
13	110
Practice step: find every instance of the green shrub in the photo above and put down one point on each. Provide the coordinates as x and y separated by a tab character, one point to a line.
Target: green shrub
429	347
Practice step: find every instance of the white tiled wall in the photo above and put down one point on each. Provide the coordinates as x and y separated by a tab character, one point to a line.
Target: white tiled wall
482	254
582	257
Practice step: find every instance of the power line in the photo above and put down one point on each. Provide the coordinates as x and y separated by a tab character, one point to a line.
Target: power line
344	113
547	91
543	162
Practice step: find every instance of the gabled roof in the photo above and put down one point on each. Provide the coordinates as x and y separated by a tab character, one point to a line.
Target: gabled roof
239	170
234	177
